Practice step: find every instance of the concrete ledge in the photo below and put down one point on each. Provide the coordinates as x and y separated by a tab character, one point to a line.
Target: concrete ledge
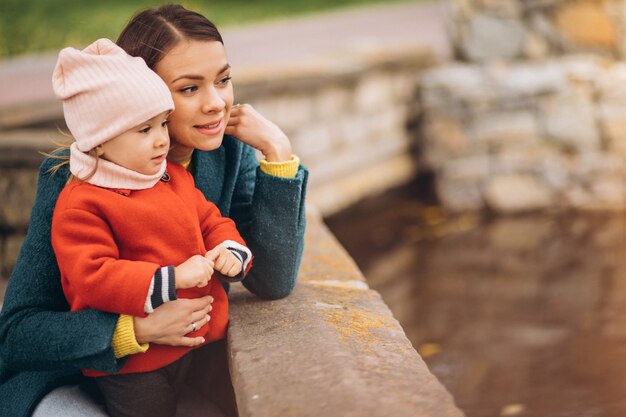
331	348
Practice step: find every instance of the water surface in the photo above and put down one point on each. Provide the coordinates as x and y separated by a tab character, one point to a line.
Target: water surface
516	316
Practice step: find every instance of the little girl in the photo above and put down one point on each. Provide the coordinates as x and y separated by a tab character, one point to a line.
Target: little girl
130	231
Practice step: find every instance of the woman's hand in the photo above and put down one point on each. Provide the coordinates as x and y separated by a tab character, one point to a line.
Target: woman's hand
248	125
170	322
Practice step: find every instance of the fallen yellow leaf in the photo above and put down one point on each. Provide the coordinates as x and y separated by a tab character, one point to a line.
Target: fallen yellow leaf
512	410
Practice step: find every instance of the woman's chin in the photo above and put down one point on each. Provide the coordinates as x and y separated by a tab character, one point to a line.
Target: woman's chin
210	143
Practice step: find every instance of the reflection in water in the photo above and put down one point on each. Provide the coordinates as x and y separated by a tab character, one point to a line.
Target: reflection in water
517	316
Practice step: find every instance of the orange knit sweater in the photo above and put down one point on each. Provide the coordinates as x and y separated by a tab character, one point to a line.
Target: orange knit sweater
109	243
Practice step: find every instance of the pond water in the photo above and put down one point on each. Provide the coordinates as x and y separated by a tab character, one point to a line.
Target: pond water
517	316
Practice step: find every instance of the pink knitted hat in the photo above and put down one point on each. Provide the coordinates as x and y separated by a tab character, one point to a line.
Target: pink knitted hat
105	92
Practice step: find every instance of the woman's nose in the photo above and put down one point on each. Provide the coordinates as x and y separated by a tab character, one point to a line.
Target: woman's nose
213	102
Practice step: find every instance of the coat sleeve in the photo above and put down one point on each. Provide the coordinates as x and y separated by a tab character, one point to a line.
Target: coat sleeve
89	259
37	331
270	214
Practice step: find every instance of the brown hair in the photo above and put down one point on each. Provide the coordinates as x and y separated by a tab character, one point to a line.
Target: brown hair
151	33
63	159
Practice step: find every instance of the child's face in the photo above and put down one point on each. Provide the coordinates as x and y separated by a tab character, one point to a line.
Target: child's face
142	148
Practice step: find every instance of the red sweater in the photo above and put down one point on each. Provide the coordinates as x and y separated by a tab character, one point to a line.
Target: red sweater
109	243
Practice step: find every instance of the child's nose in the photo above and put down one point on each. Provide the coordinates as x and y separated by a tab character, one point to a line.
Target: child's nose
162	139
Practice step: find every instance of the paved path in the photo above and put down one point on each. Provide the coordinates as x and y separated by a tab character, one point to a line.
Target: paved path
27	80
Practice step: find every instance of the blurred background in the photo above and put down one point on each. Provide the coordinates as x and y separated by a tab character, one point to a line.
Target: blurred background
469	154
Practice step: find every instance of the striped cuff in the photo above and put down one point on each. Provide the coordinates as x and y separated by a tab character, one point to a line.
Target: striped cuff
162	289
243	254
285	169
124	342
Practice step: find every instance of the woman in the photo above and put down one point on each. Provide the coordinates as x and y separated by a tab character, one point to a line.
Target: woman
42	344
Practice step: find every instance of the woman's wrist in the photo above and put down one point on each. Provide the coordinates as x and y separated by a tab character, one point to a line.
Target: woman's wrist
278	150
142	330
124	341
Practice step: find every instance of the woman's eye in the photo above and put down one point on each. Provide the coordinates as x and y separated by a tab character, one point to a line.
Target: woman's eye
225	80
189	89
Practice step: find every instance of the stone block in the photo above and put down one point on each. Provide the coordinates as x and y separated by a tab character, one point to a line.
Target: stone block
612	122
292	111
569	120
457	196
332	102
505	128
517	193
373	92
314	141
335	193
470	168
588	165
445	137
586	23
527	79
454	84
485	37
330	348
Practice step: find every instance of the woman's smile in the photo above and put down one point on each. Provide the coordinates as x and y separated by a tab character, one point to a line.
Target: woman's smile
211	129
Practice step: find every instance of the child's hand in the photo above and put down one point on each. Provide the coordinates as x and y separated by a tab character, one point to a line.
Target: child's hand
225	262
194	272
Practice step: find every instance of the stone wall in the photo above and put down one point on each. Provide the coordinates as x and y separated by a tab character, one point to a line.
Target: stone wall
534	117
533	29
348	121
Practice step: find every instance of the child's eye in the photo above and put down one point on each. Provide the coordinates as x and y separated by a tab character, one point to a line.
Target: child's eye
164	123
145	129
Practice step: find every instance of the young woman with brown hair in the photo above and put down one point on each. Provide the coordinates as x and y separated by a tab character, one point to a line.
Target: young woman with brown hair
43	345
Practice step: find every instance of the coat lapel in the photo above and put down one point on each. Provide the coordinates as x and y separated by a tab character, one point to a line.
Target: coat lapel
208	172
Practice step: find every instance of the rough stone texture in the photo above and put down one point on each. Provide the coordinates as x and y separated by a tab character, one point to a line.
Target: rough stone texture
528	135
495	29
517	193
587	23
538	120
487	37
343	120
331	348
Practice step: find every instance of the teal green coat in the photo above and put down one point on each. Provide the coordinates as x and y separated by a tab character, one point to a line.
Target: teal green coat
43	345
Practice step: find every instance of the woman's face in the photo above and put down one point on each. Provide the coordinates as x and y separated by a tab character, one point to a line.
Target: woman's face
198	75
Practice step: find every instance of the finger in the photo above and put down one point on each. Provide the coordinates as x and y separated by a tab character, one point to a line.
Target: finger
191	341
233	119
199	316
229	266
204	320
220	263
212	254
236	269
201	304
